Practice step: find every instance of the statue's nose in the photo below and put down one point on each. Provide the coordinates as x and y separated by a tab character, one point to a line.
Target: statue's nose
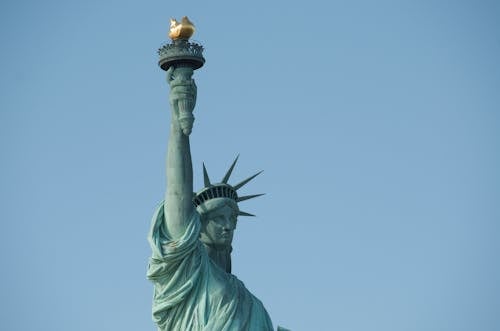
228	225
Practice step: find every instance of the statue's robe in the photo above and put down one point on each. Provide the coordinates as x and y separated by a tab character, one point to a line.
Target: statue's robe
191	292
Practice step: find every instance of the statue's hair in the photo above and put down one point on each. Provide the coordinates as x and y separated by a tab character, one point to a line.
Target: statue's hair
214	204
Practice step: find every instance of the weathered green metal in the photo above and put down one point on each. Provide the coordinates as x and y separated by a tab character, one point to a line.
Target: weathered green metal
191	238
181	52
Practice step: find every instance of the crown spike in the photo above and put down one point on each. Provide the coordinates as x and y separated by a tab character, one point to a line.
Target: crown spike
238	186
230	170
246	197
242	213
205	176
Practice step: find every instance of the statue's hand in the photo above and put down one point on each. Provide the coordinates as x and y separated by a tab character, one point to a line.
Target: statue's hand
182	97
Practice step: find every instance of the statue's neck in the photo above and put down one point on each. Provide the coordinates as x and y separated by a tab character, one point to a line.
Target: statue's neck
221	256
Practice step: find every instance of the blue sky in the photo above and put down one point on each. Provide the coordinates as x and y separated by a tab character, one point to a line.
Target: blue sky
377	125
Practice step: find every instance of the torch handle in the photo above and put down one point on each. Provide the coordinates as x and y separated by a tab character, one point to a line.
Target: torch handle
182	97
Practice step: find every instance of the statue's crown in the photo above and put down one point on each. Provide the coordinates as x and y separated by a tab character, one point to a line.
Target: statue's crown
223	189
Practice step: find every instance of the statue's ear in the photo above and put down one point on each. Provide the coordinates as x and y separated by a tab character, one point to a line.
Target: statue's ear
203	218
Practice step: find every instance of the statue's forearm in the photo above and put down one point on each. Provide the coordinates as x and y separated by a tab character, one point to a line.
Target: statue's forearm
179	195
179	205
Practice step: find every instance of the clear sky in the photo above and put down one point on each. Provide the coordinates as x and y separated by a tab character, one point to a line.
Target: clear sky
377	125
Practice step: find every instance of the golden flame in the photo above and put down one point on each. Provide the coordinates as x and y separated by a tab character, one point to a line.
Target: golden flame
182	30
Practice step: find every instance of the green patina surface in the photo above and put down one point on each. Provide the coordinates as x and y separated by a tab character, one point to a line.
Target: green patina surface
191	240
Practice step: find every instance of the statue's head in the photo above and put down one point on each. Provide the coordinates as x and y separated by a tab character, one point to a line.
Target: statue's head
217	205
218	221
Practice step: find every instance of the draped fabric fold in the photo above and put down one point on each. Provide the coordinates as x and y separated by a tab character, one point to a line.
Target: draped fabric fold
193	293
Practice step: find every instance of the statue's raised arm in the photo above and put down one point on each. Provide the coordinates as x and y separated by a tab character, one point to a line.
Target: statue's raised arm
179	191
191	234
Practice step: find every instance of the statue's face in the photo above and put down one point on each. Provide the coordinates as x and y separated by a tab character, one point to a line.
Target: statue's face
218	225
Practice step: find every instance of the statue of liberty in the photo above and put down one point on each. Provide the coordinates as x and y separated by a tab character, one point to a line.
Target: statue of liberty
191	234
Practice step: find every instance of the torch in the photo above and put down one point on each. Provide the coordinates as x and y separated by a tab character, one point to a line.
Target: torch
179	59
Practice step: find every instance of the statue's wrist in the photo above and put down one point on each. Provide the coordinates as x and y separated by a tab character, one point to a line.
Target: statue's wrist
175	127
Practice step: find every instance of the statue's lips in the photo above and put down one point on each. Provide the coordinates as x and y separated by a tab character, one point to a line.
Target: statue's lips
225	235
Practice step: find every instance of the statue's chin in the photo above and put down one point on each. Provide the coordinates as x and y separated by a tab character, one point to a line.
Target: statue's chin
216	239
219	244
